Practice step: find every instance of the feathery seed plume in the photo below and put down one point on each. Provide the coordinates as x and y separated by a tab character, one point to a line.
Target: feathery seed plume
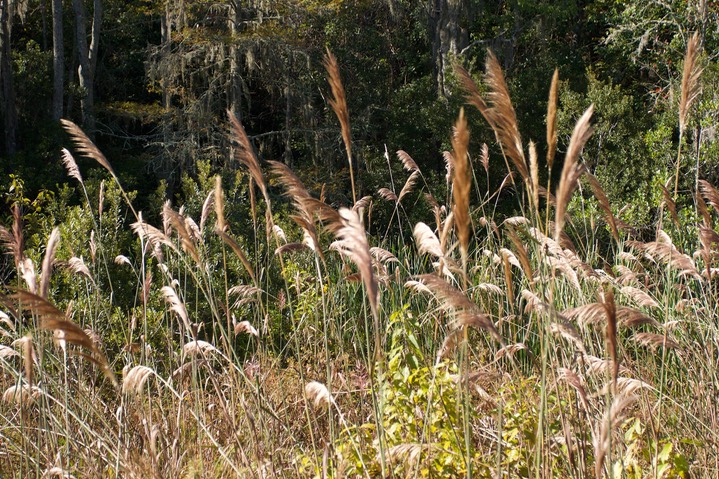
572	170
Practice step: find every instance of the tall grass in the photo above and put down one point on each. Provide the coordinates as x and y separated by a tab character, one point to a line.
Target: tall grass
527	346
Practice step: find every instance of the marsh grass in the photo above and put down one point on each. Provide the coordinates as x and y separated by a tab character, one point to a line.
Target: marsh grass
306	347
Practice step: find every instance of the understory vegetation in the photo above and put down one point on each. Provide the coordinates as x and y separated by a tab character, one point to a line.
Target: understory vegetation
258	331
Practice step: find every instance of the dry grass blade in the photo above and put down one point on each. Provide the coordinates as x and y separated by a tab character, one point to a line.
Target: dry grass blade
449	344
490	288
417	286
52	319
57	472
666	253
603	203
691	88
178	223
7	352
5	319
448	165
710	194
387	194
407	162
363	202
409	185
534	173
29	358
409	454
338	102
552	119
466	313
197	347
245	154
13	241
702	208
597	365
134	379
654	341
48	262
245	327
85	146
206	208
245	294
427	241
279	233
510	350
238	252
461	184
153	235
521	254
640	297
219	201
176	305
625	386
567	331
291	248
78	266
294	188
472	94
503	117
576	382
318	394
70	165
671	205
484	157
352	243
601	439
611	330
21	395
588	314
572	170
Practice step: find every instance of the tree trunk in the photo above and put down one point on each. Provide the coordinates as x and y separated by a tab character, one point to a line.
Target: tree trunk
235	103
447	22
58	61
87	59
8	87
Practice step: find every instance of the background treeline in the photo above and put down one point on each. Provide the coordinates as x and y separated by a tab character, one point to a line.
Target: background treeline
151	82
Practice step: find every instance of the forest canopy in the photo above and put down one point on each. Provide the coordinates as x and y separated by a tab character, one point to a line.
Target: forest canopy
151	83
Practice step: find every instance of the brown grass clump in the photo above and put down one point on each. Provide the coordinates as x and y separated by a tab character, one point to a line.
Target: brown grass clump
48	262
352	243
176	305
498	111
572	170
318	394
461	184
338	102
602	433
603	201
85	146
13	241
691	89
407	162
52	319
552	119
245	154
70	165
427	241
466	313
245	327
22	395
135	378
